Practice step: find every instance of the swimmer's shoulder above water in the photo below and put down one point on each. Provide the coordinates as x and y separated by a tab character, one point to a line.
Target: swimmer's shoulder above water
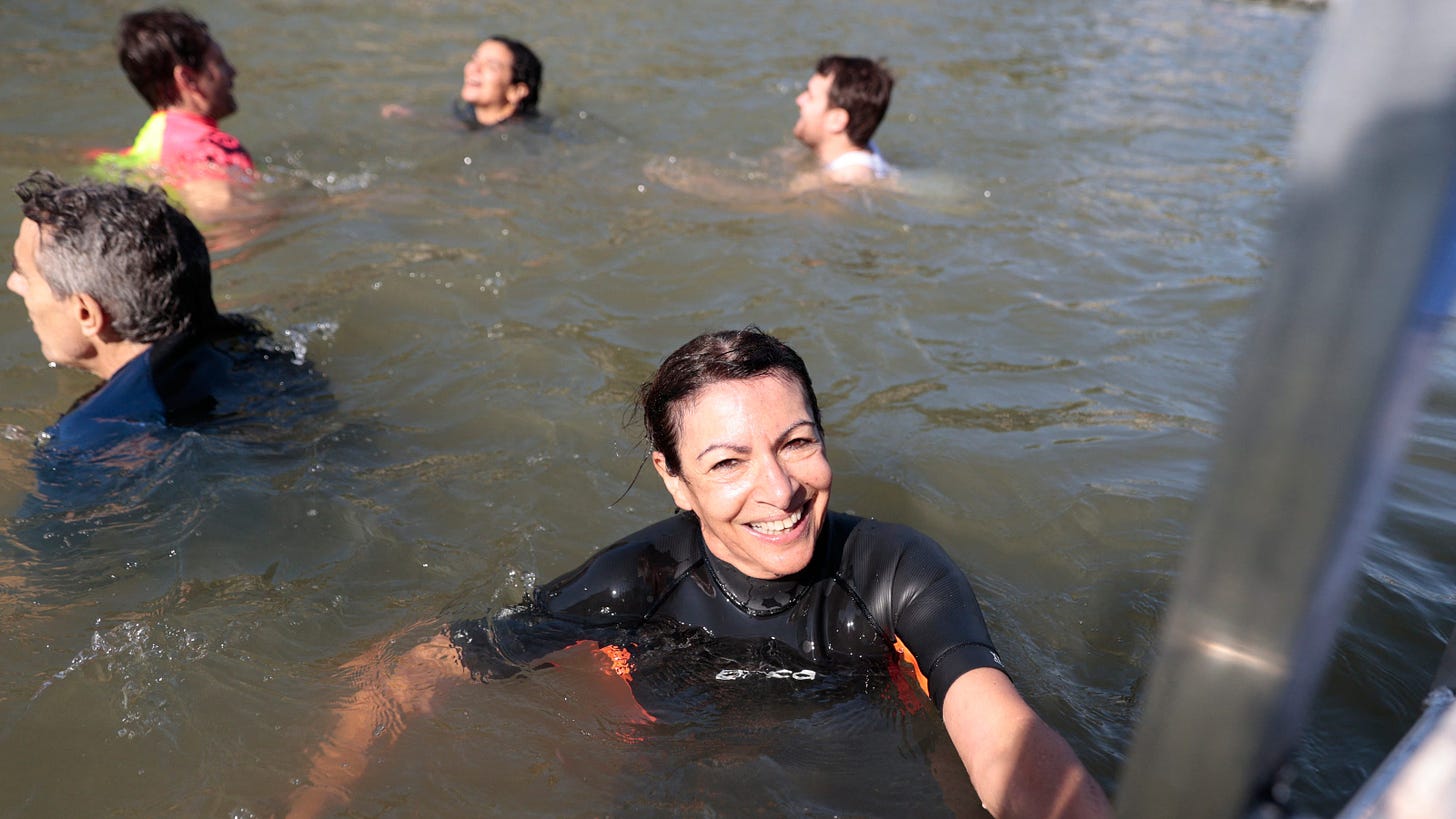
840	108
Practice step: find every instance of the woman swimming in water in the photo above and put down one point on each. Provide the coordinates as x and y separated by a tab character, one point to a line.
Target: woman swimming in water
502	82
761	575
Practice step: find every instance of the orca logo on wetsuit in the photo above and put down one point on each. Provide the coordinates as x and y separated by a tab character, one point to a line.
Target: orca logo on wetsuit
776	674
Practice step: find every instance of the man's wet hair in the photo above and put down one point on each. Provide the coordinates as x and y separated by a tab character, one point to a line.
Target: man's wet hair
151	44
525	68
861	87
144	262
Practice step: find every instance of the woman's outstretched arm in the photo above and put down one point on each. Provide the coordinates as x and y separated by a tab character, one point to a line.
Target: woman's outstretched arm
387	697
1019	766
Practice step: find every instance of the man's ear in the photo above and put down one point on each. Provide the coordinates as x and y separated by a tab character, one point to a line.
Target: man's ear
184	80
674	483
836	120
89	315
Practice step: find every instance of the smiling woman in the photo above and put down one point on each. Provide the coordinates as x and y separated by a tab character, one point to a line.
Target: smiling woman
502	80
742	408
759	576
756	477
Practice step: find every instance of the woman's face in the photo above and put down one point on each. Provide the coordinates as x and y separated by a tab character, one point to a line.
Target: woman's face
488	76
754	472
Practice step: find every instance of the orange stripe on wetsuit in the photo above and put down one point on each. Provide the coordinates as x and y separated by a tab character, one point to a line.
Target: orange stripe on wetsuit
912	701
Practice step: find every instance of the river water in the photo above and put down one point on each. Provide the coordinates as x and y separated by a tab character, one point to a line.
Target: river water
1025	354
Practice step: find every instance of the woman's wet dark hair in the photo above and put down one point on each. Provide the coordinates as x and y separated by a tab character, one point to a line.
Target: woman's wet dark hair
727	355
525	68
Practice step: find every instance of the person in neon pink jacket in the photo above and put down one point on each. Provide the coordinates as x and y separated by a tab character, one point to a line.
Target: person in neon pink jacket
172	60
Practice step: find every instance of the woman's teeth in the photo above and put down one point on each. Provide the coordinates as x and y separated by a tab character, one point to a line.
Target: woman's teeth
776	526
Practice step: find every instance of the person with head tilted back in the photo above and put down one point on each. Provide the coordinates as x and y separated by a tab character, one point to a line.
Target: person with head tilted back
502	82
501	85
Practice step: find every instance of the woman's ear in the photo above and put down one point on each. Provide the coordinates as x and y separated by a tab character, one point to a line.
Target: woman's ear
517	92
676	486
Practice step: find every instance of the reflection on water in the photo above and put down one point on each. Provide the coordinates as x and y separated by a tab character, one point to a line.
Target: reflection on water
1024	355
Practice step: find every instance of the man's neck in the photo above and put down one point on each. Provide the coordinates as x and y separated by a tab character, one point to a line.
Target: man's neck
831	150
112	357
182	108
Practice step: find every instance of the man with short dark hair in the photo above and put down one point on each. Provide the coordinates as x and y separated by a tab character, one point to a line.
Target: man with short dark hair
118	283
172	60
840	108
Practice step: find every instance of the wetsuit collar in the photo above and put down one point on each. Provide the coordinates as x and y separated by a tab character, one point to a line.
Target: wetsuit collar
465	112
760	598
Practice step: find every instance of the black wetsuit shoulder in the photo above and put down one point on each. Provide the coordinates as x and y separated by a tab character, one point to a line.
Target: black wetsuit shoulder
868	584
625	583
464	113
616	589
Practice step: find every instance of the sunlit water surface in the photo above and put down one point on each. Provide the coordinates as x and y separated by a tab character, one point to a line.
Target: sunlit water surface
1025	354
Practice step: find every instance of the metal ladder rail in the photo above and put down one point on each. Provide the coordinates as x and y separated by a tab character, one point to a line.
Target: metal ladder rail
1417	780
1361	280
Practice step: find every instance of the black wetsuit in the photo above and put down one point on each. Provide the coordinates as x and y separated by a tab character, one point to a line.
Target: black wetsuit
464	112
868	584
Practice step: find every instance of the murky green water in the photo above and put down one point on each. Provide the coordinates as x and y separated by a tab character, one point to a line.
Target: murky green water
1025	356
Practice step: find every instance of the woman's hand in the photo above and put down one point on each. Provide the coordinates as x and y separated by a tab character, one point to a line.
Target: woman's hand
387	697
1019	766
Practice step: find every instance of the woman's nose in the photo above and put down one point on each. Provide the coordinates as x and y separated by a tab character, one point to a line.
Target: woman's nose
776	485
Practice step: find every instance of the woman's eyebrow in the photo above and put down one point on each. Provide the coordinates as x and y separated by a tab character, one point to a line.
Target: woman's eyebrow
742	450
738	448
793	427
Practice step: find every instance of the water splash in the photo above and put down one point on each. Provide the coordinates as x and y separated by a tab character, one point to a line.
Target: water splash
335	183
143	659
294	340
